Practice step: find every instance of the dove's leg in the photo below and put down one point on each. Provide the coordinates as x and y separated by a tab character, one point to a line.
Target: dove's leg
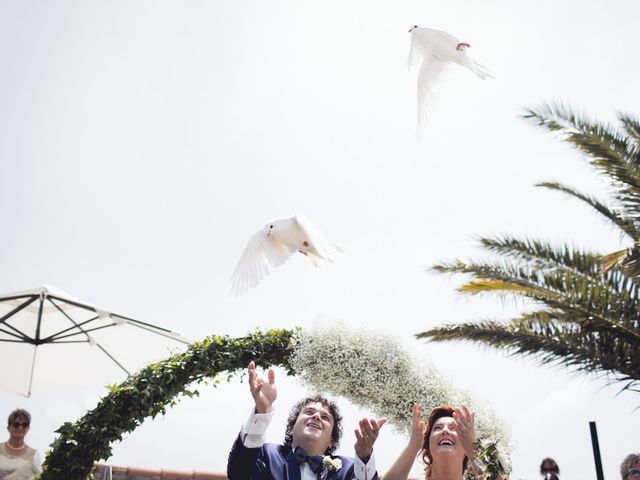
461	46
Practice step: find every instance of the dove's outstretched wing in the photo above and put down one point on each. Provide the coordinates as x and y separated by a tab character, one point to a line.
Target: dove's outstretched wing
424	46
415	51
261	255
430	73
320	249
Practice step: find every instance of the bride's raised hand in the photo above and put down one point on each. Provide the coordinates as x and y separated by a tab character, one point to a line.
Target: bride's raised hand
417	428
465	421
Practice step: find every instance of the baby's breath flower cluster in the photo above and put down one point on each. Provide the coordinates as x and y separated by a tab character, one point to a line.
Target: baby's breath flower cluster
491	455
373	371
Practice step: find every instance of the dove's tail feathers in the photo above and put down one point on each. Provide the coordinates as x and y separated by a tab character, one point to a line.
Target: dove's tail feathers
328	253
340	249
480	70
318	261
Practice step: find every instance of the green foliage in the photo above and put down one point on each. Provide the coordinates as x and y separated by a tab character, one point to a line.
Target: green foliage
583	309
151	390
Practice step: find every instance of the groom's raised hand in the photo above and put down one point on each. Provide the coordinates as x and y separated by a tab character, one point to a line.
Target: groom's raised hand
264	393
366	436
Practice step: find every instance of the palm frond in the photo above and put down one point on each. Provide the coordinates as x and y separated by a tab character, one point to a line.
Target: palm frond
631	126
609	150
587	313
539	335
627	225
627	260
542	254
612	260
586	300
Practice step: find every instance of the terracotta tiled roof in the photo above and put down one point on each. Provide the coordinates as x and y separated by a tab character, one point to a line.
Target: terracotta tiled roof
141	473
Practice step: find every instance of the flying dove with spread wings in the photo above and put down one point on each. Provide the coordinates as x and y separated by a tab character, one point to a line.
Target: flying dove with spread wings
437	49
276	243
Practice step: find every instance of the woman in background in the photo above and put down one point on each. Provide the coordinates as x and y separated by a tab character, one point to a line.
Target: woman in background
18	461
549	469
630	467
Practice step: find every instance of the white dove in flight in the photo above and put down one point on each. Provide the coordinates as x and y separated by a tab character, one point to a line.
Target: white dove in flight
274	244
437	49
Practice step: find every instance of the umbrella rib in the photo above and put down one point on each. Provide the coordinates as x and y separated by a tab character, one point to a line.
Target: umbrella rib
52	338
19	307
71	341
169	333
78	326
71	302
18	339
57	336
112	358
21	338
139	323
13	312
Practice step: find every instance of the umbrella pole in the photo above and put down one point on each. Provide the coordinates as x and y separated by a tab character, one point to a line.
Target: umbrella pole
33	367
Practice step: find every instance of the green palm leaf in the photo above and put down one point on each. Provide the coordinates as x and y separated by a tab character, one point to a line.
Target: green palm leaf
586	307
631	126
627	225
550	341
614	155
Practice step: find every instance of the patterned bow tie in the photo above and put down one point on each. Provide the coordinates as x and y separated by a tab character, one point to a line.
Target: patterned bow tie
314	461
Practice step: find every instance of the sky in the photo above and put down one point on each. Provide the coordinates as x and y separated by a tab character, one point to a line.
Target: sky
143	142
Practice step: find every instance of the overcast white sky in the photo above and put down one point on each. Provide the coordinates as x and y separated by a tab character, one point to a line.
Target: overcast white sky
143	142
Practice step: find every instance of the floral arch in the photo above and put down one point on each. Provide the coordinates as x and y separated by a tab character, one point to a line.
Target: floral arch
387	382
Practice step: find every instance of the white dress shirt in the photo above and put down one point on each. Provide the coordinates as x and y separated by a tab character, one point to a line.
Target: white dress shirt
252	434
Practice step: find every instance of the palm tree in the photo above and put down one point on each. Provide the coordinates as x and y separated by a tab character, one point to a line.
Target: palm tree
586	313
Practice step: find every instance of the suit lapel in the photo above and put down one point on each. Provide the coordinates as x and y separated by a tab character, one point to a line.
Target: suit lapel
291	468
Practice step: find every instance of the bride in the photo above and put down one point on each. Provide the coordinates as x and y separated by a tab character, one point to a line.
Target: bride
446	445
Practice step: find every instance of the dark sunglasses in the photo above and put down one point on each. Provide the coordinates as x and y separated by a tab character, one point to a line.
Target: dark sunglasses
633	472
20	424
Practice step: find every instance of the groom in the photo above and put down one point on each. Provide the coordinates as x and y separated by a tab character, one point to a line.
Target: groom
313	433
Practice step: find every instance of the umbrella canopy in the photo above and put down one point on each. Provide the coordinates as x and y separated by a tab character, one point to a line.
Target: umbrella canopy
52	341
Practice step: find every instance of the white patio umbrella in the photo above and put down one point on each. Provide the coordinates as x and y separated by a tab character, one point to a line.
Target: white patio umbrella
52	341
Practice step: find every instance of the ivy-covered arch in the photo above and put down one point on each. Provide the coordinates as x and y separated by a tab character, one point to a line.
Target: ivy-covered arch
151	390
370	369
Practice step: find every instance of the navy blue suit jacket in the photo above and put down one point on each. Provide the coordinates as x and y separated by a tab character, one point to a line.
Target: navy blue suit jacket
272	462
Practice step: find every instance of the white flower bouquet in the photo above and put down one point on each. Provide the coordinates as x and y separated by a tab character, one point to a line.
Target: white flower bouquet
373	370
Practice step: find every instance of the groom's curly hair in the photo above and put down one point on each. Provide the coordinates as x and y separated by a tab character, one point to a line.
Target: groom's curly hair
336	432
